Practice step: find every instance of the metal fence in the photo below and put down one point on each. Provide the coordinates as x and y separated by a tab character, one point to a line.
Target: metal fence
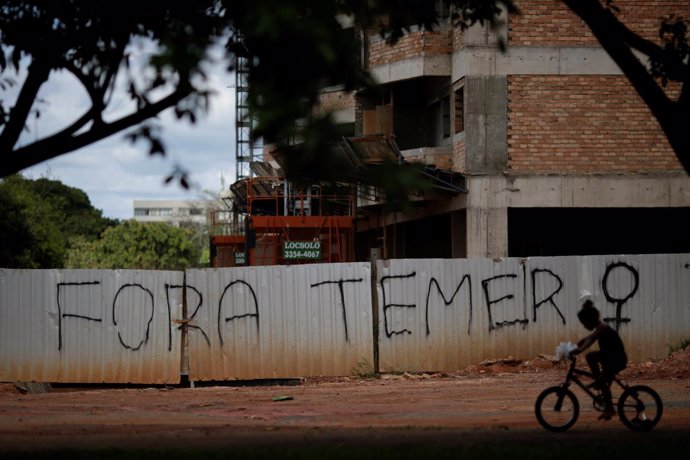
279	321
306	320
90	326
447	314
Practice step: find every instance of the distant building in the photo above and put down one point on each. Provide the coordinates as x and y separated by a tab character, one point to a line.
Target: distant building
178	213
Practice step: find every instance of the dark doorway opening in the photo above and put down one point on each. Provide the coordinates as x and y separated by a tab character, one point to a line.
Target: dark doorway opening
597	231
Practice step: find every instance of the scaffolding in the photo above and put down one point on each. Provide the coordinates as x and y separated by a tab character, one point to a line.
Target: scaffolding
245	144
277	224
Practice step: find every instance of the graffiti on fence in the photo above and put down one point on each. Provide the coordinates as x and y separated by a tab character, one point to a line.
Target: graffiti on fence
60	308
620	283
341	291
387	306
253	313
619	301
494	297
126	333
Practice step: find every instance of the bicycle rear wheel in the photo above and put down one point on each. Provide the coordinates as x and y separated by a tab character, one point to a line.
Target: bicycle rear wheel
557	409
640	408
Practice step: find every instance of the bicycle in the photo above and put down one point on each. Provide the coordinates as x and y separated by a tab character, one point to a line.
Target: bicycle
639	407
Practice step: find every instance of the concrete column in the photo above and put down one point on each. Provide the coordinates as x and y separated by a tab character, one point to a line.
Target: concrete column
486	124
487	217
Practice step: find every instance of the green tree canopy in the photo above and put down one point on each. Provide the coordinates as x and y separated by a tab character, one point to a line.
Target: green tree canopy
40	219
136	245
30	227
80	217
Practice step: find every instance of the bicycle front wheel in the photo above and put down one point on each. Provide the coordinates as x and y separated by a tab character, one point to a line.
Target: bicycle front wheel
640	408
557	409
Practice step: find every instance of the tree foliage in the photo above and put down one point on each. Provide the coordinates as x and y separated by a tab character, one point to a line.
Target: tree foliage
29	230
80	217
295	48
137	245
94	40
40	219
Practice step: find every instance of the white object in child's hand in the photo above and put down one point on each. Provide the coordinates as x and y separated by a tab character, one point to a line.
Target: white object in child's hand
564	349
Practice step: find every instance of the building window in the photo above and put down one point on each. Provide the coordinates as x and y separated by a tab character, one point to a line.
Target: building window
155	212
460	110
445	116
141	212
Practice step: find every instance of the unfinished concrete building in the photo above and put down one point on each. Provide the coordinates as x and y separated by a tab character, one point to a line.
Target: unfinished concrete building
542	150
559	154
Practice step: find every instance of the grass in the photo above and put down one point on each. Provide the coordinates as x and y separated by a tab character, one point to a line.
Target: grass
364	370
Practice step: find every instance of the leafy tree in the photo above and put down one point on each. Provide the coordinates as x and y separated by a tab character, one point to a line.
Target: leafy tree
296	48
29	232
80	217
15	233
40	219
137	245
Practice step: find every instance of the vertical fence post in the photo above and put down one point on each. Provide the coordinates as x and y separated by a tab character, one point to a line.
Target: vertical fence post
184	336
375	256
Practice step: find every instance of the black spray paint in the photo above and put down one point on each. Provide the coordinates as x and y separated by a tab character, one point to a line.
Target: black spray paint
389	284
618	320
254	314
70	315
145	339
388	306
342	298
447	302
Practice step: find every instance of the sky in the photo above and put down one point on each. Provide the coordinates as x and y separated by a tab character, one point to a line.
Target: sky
114	172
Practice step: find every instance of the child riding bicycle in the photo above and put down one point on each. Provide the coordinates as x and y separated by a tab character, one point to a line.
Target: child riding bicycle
609	360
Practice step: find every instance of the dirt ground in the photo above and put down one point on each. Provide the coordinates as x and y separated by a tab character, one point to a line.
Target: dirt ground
489	401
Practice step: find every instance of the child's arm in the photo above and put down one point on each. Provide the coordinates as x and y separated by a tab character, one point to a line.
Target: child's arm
586	342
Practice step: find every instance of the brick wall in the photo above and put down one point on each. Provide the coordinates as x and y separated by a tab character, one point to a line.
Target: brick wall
582	124
335	100
550	22
412	45
431	156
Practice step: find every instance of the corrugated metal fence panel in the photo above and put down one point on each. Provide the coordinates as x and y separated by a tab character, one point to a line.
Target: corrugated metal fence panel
447	314
280	321
645	297
292	321
554	288
90	326
437	314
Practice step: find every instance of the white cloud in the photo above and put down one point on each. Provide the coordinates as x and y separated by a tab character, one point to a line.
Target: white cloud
114	172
